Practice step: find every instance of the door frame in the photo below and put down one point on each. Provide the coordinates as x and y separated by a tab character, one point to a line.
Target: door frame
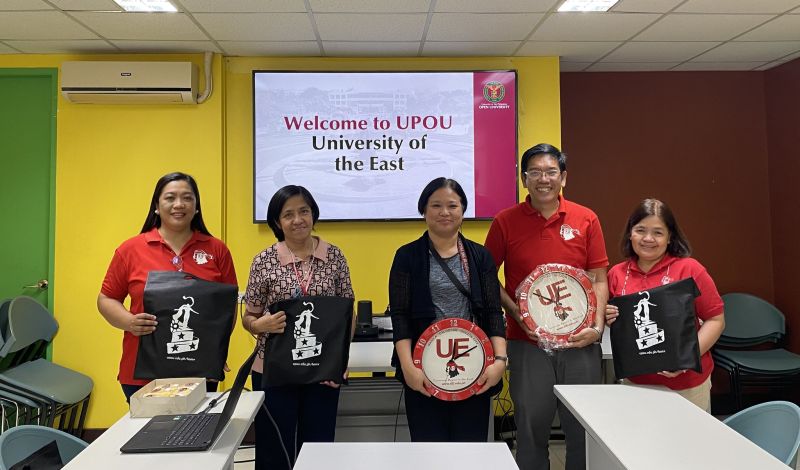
52	74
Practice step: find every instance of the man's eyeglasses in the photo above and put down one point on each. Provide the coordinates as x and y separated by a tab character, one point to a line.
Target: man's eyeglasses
536	174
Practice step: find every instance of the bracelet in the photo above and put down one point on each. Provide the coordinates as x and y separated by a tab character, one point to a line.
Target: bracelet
599	333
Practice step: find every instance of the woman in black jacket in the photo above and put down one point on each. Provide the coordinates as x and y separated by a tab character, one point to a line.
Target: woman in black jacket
420	292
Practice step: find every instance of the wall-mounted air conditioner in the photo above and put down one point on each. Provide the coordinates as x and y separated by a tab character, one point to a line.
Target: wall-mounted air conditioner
129	82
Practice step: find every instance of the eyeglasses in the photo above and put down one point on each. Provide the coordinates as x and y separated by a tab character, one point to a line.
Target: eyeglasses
536	174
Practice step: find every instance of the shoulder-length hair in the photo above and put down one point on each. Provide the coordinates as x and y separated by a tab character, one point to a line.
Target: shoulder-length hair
154	220
279	200
678	245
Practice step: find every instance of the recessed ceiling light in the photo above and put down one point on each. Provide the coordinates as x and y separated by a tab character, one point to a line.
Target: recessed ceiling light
587	5
146	5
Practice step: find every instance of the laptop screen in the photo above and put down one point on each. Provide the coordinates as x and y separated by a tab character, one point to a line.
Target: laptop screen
236	391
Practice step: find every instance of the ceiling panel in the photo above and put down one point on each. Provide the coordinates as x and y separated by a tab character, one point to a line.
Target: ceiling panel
22	25
631	67
749	51
86	5
371	49
167	46
709	66
646	6
7	50
257	26
271	48
10	5
782	28
573	66
113	25
687	27
370	27
592	26
496	6
63	47
369	6
658	51
568	51
639	33
737	6
481	26
502	48
242	6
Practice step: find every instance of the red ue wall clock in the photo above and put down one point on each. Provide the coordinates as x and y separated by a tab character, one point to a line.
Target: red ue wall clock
453	353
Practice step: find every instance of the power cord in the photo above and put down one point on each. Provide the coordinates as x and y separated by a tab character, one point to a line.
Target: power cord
280	438
215	401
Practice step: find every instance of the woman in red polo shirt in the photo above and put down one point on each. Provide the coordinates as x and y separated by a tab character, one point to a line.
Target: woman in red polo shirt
658	254
173	237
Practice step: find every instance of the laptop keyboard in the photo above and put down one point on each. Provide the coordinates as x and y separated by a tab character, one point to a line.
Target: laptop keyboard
187	432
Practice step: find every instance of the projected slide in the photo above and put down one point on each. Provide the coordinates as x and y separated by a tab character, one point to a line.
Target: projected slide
366	144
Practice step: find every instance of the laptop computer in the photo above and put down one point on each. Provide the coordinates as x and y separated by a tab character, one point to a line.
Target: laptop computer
188	432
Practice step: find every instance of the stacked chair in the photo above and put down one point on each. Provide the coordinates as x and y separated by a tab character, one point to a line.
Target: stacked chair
774	426
17	444
32	389
750	322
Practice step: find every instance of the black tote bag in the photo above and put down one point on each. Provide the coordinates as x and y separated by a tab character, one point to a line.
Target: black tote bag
655	330
195	319
314	347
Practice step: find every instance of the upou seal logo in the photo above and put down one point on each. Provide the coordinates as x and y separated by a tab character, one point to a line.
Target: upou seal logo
494	92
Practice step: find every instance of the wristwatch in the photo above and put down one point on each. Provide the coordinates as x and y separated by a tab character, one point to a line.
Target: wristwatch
502	358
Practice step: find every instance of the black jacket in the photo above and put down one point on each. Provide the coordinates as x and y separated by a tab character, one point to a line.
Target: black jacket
411	305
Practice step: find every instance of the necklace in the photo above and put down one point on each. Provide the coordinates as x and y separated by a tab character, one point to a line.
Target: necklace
302	284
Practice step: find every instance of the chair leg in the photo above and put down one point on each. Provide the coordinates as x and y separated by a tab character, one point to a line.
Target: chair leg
739	392
82	419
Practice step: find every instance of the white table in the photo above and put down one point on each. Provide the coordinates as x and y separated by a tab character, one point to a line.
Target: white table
371	356
405	456
653	428
104	452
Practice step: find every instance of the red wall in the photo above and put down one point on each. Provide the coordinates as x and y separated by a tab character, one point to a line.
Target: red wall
782	86
698	141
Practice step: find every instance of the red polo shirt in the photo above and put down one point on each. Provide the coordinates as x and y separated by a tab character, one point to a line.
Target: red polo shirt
520	239
670	269
203	255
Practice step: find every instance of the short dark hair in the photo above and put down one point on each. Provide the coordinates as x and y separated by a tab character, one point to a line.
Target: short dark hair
279	200
543	149
678	245
437	184
154	220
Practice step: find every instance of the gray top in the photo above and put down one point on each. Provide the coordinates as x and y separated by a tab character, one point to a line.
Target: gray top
448	301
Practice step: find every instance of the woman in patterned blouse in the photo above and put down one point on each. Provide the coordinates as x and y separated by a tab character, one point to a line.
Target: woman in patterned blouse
299	264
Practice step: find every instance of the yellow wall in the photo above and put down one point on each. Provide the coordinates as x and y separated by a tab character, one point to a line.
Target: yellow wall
109	157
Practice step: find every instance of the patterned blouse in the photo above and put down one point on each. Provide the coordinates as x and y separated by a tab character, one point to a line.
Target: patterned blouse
277	275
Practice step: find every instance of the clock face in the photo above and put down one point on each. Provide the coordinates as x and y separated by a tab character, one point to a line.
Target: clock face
453	354
557	299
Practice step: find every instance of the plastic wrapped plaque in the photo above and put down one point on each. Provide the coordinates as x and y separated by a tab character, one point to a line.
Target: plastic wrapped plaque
556	301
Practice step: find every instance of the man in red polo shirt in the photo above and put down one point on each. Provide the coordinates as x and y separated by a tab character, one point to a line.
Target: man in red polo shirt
547	228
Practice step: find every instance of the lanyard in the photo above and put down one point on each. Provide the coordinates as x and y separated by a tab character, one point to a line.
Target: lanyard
301	283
